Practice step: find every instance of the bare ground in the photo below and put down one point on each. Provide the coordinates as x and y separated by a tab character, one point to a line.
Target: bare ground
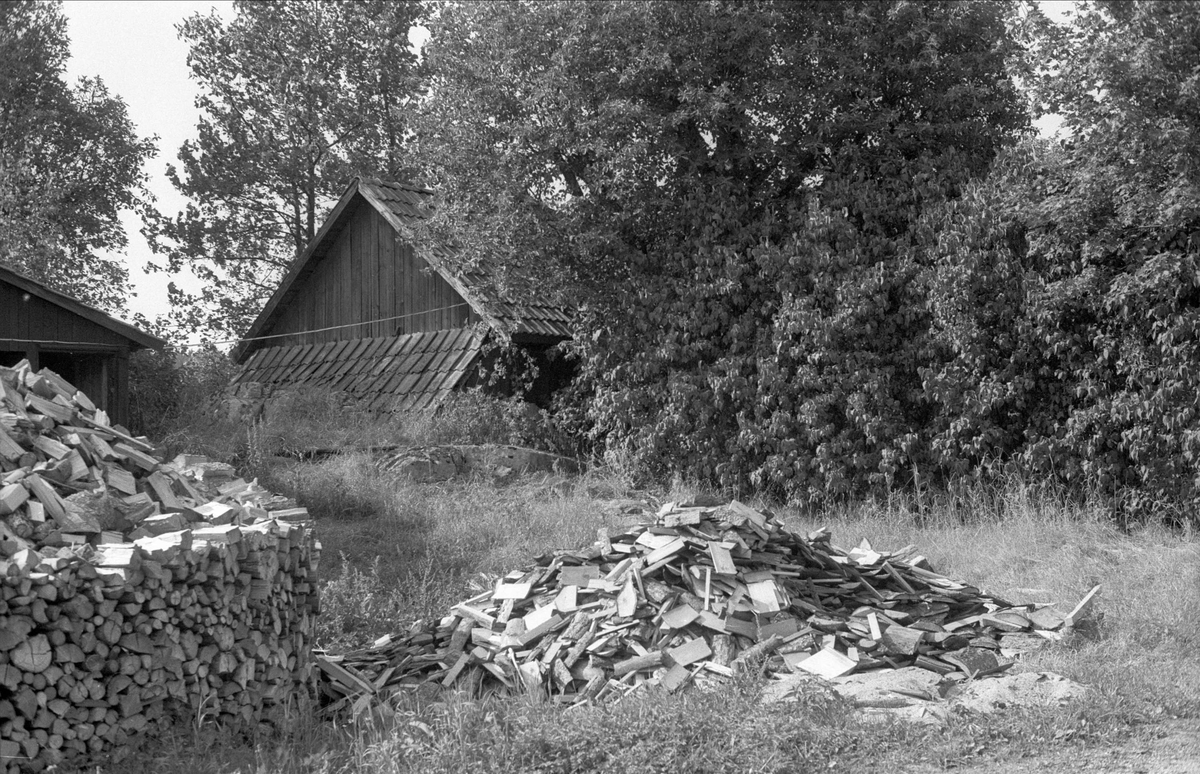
1171	747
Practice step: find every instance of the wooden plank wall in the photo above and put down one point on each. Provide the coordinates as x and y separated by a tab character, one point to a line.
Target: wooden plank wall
368	275
25	316
91	356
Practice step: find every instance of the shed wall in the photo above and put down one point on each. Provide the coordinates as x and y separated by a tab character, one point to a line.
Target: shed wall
369	277
24	316
90	356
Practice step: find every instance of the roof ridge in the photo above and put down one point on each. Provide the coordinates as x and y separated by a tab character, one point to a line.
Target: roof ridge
406	185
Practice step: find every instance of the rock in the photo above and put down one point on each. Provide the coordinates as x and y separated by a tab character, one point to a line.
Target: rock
890	688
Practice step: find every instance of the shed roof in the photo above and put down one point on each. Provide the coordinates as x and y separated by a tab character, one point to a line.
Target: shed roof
396	373
138	338
404	205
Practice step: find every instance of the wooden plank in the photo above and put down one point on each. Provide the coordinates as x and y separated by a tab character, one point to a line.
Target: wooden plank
12	497
680	616
675	678
627	599
690	652
827	663
667	551
514	591
644	663
56	411
765	595
722	559
138	457
1081	610
9	448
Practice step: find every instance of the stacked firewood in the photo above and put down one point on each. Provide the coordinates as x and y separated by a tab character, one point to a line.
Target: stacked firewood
696	595
133	591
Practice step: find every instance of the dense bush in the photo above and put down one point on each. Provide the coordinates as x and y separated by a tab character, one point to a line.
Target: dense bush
172	397
477	417
816	251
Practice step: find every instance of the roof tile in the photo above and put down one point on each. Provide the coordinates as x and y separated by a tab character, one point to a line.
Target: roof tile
407	372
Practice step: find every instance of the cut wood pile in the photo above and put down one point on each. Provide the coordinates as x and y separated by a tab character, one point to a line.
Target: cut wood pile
694	597
133	592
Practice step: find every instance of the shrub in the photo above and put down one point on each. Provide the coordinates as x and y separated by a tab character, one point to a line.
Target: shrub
171	400
474	417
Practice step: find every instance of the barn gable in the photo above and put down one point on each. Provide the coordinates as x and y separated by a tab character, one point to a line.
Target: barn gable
364	312
85	346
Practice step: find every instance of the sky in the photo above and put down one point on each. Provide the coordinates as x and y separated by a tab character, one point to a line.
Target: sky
133	46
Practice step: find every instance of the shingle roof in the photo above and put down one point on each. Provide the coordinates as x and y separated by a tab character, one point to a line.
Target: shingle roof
393	373
523	310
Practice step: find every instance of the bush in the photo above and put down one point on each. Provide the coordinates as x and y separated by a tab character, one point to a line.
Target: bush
171	400
474	417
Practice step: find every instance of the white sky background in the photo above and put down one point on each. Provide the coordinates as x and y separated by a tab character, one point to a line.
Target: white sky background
134	48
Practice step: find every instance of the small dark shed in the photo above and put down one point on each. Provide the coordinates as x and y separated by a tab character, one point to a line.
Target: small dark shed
364	312
85	346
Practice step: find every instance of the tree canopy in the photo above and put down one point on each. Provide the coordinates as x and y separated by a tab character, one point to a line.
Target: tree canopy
70	162
296	99
738	188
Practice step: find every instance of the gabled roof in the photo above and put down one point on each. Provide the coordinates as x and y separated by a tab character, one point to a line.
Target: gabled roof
396	373
139	338
404	205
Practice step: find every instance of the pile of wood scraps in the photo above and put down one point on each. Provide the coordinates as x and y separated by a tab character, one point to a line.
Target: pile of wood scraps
695	596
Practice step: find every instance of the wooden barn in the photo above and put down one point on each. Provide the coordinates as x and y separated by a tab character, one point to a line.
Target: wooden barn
85	346
398	328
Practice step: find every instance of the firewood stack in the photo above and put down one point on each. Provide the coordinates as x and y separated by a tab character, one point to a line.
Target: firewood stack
699	594
134	592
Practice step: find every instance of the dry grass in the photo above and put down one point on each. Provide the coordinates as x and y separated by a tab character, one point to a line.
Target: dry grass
395	551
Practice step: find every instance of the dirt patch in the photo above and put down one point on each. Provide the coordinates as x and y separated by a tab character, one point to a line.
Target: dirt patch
1170	747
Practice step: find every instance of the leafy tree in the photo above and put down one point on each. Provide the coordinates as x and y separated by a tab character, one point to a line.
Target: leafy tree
738	191
297	98
70	162
1118	232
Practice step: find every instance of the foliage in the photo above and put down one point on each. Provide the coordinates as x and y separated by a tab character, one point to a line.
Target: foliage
70	162
171	396
476	417
1119	238
736	189
1066	291
297	98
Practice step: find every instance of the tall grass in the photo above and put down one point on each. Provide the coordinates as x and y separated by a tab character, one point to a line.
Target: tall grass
394	551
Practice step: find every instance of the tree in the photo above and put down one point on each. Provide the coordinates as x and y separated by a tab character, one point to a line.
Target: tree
1118	232
297	98
734	193
70	162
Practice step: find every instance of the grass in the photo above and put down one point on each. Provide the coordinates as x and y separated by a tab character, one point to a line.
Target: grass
395	551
